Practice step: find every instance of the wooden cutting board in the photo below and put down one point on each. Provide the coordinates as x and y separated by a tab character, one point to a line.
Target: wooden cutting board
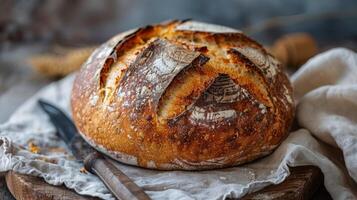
304	183
25	187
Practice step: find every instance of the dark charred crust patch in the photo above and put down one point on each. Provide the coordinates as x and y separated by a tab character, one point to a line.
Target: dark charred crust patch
202	49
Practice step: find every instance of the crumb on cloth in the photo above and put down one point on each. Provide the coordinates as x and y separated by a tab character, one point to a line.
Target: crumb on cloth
33	147
83	170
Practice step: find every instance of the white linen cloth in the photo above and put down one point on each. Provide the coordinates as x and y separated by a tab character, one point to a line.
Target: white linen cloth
326	93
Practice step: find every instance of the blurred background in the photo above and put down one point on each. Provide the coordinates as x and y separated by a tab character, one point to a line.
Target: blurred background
39	39
78	22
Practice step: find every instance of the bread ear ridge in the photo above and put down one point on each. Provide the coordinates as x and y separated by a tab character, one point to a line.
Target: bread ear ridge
147	78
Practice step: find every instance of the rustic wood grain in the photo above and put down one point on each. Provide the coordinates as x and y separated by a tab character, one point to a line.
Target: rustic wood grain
304	183
25	187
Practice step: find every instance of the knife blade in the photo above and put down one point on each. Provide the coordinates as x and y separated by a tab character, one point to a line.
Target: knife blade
121	186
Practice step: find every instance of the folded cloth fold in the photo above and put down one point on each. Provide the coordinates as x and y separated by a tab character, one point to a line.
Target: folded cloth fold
326	89
326	93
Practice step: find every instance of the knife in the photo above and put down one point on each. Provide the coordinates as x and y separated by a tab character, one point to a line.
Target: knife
121	186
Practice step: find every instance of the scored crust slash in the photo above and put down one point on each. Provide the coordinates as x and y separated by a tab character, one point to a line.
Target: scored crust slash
182	95
152	72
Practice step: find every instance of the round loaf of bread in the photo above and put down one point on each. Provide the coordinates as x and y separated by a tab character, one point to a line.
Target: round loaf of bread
182	95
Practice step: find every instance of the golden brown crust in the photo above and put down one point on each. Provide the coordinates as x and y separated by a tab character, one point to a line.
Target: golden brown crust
169	97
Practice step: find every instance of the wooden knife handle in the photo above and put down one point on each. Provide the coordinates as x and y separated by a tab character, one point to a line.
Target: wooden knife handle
121	186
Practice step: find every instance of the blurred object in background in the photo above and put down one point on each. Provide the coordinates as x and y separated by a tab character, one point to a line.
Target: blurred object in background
60	61
78	22
329	28
294	49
